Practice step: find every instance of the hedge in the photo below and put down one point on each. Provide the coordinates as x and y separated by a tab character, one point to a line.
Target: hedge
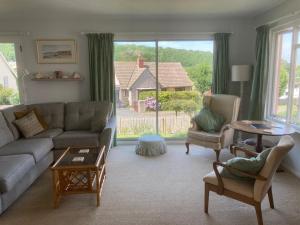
175	100
164	96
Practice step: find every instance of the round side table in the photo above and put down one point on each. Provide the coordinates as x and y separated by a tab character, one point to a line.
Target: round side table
151	145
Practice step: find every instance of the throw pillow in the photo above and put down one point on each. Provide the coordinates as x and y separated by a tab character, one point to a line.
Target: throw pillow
209	121
23	113
249	165
29	125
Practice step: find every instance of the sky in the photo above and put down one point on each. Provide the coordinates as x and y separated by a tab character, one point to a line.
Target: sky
186	45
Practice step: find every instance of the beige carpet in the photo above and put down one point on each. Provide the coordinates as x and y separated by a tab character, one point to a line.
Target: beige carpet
165	190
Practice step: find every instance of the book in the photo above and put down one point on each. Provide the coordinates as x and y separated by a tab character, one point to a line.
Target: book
78	159
83	151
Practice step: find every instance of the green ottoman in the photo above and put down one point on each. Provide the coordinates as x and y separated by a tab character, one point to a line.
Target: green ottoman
151	145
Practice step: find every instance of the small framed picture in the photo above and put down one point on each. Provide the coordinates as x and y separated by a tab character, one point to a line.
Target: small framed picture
56	51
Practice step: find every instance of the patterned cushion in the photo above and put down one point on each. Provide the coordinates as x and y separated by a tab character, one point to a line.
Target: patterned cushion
23	113
29	125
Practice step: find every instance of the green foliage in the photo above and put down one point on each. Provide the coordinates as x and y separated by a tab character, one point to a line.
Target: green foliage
178	101
284	76
8	96
201	75
187	58
8	51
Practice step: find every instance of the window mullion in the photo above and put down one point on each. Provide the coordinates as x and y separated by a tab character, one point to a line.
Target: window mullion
292	76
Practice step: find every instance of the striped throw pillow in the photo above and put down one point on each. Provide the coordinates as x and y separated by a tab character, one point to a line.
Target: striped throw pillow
29	125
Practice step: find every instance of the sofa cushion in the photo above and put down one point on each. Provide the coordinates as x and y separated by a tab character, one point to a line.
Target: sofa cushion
79	115
51	133
9	115
52	113
37	147
13	168
76	139
6	135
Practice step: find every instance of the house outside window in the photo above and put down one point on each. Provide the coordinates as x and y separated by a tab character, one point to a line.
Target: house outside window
284	86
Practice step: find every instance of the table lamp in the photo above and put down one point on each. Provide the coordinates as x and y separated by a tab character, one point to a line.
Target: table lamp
241	73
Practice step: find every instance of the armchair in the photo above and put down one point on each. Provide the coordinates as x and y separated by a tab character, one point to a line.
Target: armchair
251	193
226	105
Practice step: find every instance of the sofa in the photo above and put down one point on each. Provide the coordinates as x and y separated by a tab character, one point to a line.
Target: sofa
23	160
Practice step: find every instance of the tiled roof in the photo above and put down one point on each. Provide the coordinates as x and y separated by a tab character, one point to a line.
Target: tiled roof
170	74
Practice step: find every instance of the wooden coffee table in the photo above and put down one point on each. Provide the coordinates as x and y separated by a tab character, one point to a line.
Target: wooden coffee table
79	171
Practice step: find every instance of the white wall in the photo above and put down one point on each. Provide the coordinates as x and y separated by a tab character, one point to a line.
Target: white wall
241	46
286	12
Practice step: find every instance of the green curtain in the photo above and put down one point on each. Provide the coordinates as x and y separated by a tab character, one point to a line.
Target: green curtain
260	75
101	67
221	63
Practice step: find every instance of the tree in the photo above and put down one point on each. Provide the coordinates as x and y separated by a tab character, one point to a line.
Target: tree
201	75
283	76
8	96
8	51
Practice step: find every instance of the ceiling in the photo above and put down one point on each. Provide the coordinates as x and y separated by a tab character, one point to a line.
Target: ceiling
27	9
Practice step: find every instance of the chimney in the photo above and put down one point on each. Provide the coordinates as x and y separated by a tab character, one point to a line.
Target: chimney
140	62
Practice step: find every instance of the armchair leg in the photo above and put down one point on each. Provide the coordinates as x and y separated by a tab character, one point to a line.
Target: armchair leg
187	148
259	214
206	198
270	195
217	154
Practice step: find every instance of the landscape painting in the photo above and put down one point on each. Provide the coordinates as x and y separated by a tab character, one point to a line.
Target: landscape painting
56	51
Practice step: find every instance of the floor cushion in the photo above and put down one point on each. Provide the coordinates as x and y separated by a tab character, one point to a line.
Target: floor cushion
76	139
37	147
13	168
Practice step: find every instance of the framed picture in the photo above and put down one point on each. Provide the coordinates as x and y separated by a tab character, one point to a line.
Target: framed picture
53	51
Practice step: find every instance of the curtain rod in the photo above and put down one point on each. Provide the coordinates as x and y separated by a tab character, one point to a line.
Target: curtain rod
13	33
156	33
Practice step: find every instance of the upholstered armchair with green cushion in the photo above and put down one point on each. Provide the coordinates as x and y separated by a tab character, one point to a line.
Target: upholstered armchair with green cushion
251	192
226	106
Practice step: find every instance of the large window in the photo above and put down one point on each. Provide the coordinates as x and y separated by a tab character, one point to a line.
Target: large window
159	85
285	88
9	92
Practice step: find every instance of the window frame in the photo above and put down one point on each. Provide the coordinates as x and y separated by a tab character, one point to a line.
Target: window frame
157	38
17	41
273	62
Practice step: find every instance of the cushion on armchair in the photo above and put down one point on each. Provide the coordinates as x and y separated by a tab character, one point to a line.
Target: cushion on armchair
249	165
209	121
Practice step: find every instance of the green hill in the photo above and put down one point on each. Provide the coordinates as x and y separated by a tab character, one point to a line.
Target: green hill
188	58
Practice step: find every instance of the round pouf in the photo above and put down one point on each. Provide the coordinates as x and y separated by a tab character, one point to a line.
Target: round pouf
151	145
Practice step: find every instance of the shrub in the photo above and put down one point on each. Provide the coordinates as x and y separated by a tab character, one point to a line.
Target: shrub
180	101
8	96
150	104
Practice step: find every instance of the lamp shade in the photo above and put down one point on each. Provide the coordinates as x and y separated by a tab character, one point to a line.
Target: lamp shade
240	72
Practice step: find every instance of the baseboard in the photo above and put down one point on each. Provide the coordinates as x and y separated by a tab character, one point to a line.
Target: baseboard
291	170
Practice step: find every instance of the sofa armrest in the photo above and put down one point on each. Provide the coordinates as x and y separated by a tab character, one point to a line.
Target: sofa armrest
107	135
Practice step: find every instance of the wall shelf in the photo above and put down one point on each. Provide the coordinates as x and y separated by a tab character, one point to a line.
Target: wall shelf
57	79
